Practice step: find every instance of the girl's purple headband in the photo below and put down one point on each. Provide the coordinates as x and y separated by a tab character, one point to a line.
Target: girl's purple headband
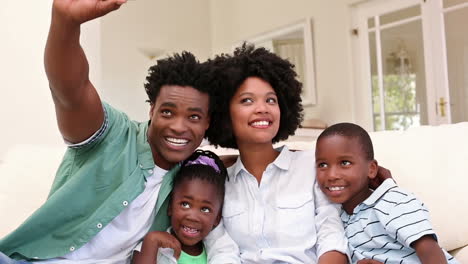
204	160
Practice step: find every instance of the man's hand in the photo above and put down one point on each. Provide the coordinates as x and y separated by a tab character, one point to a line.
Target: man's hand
80	11
382	175
369	261
151	243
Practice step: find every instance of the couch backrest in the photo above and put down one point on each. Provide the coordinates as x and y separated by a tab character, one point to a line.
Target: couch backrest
432	163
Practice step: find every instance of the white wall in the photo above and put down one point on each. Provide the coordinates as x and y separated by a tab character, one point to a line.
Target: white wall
171	25
117	69
233	21
26	109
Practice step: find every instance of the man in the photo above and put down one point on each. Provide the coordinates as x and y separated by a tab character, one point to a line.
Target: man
113	184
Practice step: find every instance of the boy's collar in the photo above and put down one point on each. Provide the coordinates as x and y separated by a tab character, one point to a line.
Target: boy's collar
380	191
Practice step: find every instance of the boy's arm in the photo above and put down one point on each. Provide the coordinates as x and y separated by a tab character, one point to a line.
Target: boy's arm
77	105
151	243
220	247
428	250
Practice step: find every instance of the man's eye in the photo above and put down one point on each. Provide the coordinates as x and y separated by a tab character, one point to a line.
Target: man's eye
322	165
195	117
185	205
345	163
166	112
205	210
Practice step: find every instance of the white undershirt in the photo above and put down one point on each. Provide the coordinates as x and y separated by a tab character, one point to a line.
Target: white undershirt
116	241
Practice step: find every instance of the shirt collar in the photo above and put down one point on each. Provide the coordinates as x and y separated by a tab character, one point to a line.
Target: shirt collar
283	162
380	191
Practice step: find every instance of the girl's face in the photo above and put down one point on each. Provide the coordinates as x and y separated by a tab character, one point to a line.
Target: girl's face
195	209
255	113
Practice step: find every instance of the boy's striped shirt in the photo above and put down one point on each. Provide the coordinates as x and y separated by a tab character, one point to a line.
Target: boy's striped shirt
385	224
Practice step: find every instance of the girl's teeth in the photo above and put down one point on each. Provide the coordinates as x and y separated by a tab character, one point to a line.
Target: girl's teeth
335	188
190	230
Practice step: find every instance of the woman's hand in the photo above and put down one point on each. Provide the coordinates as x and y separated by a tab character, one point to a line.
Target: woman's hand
382	175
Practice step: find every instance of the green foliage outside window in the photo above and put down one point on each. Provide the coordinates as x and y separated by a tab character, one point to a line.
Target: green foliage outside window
401	110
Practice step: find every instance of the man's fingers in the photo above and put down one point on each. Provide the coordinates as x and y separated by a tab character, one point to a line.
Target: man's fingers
110	5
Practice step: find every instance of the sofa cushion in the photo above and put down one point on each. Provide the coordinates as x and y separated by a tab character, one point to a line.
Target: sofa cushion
27	172
430	162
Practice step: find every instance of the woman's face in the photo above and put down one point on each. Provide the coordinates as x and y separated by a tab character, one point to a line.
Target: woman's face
255	113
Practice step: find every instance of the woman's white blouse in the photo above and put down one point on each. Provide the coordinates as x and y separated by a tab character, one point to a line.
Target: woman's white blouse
285	219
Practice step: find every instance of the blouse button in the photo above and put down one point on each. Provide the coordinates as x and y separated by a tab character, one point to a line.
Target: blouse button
125	203
99	225
72	248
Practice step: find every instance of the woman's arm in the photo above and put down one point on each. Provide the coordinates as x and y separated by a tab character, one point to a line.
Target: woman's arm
428	250
152	242
333	257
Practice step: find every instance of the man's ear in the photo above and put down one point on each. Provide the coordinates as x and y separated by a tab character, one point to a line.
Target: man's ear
373	168
208	122
151	110
218	219
169	208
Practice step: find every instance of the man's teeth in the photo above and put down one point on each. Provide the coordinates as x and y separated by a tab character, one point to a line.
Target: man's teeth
177	141
190	230
335	188
261	123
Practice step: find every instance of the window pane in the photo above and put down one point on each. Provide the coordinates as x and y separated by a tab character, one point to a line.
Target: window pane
449	3
400	15
371	22
374	82
403	76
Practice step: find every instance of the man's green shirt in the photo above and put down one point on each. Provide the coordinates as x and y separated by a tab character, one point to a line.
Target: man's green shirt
94	183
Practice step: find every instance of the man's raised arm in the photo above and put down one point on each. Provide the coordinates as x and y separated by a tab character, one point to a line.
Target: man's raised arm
77	104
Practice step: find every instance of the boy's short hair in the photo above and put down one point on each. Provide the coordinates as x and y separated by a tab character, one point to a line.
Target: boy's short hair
228	72
191	169
351	131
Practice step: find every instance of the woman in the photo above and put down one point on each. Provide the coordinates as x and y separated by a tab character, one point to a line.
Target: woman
273	208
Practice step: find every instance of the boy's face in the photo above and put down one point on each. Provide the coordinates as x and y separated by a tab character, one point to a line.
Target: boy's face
195	209
343	170
179	119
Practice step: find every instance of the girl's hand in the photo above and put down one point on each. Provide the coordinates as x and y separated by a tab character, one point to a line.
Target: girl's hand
151	243
80	11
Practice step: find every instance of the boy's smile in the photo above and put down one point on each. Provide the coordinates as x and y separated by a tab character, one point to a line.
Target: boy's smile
195	209
343	171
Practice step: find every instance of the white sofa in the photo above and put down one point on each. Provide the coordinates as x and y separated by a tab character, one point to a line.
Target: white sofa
429	161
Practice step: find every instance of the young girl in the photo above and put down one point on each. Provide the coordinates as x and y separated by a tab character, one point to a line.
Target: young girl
195	209
273	208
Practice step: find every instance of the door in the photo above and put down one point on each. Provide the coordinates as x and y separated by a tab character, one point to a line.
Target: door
404	51
455	19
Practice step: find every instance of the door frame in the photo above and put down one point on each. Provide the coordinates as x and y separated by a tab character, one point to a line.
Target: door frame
435	56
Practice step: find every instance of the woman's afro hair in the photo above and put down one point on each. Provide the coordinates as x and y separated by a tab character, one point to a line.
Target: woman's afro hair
228	72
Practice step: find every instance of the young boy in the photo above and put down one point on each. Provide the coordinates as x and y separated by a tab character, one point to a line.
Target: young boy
195	209
388	225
